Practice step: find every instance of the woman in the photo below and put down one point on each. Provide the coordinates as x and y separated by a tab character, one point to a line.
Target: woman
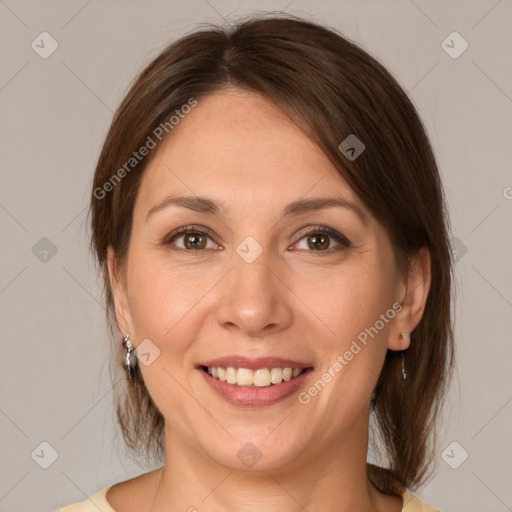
269	220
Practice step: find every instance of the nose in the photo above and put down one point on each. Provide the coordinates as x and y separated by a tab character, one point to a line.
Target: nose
255	299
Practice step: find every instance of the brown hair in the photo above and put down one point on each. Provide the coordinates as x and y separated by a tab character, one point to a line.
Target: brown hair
331	88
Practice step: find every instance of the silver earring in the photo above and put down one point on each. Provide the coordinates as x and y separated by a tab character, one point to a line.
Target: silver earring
402	353
404	375
130	361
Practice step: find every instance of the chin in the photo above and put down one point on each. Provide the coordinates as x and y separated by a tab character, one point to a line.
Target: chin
256	451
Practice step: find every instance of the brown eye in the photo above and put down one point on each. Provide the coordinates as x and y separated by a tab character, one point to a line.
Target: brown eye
194	239
318	241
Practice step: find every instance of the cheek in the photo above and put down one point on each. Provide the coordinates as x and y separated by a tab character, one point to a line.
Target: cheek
351	299
170	303
161	300
356	308
164	307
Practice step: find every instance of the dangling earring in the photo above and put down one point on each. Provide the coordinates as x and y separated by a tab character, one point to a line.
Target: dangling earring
402	353
403	364
130	362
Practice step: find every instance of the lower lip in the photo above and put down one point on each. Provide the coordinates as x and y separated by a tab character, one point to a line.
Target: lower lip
255	397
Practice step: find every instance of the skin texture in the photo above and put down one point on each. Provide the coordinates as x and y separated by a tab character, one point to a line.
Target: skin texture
294	301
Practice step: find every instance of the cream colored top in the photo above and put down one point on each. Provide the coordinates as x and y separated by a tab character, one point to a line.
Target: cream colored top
98	503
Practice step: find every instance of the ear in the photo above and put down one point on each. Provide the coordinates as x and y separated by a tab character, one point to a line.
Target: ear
414	291
118	287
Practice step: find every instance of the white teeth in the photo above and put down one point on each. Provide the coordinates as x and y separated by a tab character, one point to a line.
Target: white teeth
230	375
244	377
261	378
276	375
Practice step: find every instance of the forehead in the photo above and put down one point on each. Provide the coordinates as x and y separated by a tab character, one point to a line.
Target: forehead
239	147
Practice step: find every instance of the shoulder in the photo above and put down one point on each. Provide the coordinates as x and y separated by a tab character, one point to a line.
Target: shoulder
413	504
97	501
129	495
382	478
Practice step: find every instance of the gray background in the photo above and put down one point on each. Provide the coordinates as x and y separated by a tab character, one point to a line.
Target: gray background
55	112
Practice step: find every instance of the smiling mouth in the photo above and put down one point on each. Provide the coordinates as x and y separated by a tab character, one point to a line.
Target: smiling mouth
260	378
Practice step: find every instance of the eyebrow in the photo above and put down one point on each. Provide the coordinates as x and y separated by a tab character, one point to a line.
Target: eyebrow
299	207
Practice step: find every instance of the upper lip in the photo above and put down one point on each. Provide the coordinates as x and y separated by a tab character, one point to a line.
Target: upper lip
254	363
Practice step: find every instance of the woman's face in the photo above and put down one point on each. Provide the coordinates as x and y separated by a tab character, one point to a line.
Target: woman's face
265	289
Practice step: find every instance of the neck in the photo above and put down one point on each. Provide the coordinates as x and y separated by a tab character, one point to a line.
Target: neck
324	478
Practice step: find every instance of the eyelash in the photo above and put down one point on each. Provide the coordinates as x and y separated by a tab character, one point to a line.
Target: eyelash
204	231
